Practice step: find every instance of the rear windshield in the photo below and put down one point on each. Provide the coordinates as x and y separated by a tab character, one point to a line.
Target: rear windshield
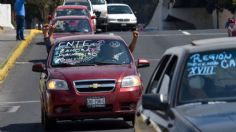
119	10
71	12
97	2
72	26
209	76
90	52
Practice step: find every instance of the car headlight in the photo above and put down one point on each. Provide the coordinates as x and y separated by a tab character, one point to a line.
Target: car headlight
131	81
56	84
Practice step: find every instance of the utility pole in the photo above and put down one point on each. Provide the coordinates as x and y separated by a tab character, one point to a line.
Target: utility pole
217	14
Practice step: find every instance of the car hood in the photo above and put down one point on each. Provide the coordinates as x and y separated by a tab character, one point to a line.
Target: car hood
59	35
121	16
211	117
92	72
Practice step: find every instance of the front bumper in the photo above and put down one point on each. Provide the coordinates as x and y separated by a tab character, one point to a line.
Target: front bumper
65	105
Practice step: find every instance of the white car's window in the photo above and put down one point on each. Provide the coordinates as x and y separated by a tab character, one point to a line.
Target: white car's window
98	2
119	10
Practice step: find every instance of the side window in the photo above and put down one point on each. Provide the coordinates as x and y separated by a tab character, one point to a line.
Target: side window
152	86
167	76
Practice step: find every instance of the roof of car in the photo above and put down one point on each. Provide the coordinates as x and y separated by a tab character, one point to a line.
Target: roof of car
206	45
71	17
75	0
90	37
116	4
72	7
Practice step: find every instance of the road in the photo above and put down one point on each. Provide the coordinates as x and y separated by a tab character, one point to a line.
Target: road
19	94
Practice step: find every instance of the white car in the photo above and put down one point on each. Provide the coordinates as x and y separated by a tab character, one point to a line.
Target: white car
121	16
100	6
84	3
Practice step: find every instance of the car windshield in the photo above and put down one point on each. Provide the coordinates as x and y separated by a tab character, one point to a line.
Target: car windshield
71	12
209	76
80	3
119	10
90	52
97	2
72	26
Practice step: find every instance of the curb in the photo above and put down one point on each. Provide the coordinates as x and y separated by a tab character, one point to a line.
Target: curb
16	53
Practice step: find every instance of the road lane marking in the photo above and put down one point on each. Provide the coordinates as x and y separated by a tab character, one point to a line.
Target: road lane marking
13	109
20	102
8	109
23	62
179	34
186	33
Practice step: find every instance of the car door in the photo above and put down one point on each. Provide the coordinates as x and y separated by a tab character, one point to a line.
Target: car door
154	121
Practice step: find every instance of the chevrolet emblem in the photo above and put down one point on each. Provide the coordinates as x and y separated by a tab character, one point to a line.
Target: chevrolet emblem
95	85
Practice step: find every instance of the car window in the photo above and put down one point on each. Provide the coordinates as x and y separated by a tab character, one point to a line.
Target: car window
98	2
90	52
167	76
119	10
209	76
72	25
152	86
71	12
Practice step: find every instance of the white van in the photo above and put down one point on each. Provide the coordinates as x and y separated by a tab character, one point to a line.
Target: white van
100	6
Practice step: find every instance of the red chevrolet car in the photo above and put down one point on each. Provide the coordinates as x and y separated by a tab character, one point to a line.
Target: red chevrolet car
89	77
72	25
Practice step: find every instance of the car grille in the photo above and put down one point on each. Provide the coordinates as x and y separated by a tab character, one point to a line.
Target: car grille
91	86
123	20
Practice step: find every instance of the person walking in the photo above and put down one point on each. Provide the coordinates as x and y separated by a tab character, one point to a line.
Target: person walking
20	19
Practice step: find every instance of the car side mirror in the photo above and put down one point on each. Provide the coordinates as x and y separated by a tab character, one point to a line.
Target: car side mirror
154	102
38	67
143	63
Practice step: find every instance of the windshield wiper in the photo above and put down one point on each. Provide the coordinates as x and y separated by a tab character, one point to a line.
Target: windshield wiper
204	102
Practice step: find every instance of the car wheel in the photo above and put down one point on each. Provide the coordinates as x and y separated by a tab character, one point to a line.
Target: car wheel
129	118
47	123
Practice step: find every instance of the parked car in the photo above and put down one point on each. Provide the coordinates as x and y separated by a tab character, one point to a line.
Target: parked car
192	89
72	25
86	3
100	6
89	77
121	16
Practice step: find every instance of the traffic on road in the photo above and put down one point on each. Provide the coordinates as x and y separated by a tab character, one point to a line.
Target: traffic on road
93	69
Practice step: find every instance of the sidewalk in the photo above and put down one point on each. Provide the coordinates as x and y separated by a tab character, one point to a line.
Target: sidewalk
10	49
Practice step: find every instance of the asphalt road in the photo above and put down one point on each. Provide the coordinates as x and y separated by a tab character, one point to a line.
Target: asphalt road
19	95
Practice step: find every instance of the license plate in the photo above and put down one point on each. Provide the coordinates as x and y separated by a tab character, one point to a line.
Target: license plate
94	102
123	24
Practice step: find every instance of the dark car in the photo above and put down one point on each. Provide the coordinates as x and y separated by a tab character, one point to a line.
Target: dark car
89	77
193	89
72	25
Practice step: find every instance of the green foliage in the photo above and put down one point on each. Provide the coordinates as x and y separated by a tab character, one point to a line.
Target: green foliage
221	4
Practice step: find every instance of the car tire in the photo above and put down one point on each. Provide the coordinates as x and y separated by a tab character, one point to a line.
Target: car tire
47	123
129	118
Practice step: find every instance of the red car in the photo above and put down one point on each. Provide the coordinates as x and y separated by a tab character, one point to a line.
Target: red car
73	10
89	77
72	25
